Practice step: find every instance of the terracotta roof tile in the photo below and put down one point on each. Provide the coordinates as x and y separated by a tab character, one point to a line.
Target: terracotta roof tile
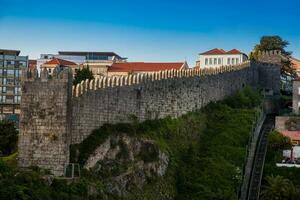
293	135
217	51
214	52
142	66
57	61
234	51
295	63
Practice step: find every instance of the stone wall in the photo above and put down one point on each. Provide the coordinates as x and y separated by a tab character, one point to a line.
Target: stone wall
151	99
296	96
54	114
44	122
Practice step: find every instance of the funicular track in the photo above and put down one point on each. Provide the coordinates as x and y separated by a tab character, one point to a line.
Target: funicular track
259	159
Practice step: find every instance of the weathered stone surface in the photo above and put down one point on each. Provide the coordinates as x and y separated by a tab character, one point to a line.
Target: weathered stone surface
125	163
44	123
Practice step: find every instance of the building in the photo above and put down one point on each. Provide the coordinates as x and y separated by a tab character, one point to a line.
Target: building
126	68
220	57
56	62
98	62
295	65
32	64
11	65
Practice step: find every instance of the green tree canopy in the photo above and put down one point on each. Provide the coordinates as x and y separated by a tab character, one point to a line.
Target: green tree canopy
269	43
8	137
83	74
279	188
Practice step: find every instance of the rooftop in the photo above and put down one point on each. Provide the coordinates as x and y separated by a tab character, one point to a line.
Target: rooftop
218	51
85	53
57	61
293	135
142	66
9	52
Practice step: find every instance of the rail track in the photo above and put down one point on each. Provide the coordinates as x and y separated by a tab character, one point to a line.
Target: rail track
259	159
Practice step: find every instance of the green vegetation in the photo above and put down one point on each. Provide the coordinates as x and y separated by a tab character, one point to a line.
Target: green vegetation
8	138
278	187
83	74
279	182
268	43
32	184
206	151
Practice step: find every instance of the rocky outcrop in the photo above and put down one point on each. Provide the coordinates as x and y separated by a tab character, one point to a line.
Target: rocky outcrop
127	163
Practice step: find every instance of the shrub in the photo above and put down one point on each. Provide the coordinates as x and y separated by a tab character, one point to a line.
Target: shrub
8	137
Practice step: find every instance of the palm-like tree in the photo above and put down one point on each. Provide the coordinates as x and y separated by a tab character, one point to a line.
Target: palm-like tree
277	188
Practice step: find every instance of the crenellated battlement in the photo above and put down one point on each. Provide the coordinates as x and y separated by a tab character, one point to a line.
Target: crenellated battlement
31	75
55	114
269	53
118	81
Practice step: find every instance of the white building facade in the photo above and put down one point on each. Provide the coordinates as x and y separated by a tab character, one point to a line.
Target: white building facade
220	57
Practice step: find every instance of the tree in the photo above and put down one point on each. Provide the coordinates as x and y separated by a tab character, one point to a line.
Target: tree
83	74
269	43
277	188
8	137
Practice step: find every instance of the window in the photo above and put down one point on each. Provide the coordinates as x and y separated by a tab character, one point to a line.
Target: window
228	61
206	61
232	61
10	72
22	64
3	99
10	81
4	81
219	61
49	70
210	61
237	61
3	89
299	90
298	104
215	61
17	73
17	90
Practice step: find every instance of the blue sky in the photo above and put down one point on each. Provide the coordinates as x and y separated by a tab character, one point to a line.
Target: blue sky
146	30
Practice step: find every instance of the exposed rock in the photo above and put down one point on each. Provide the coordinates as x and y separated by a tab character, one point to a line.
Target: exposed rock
126	163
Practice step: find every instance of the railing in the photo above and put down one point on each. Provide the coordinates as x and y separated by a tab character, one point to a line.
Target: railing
250	151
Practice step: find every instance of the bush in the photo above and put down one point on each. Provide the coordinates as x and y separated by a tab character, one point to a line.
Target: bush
8	138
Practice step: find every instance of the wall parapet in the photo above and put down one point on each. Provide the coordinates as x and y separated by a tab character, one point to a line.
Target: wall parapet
118	81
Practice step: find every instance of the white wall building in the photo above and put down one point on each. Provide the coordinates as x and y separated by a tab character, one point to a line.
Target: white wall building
219	57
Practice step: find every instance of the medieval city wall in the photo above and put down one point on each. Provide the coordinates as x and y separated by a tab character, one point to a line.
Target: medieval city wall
44	136
158	96
55	114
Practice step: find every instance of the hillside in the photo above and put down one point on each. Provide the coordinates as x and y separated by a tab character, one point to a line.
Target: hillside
197	156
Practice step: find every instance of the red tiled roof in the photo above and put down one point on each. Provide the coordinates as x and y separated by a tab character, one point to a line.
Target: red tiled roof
57	61
142	66
217	51
293	135
234	51
214	52
295	63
